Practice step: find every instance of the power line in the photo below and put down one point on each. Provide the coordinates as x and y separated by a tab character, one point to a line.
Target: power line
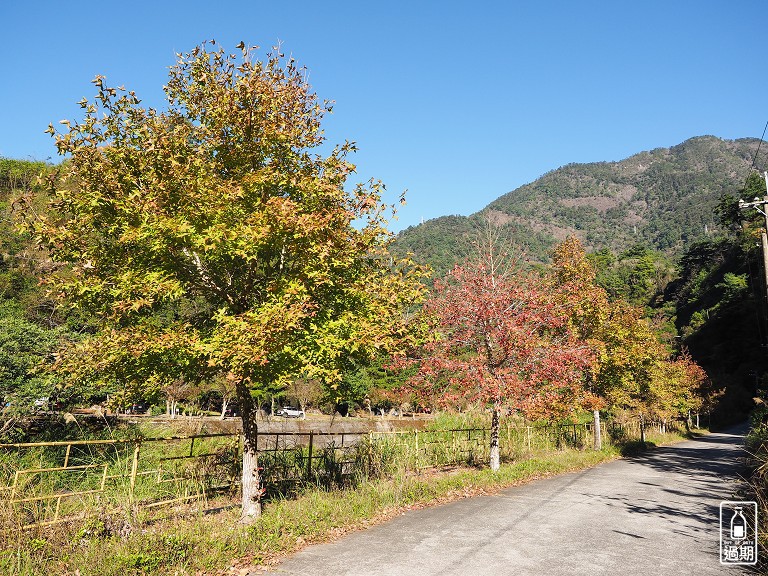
754	158
759	144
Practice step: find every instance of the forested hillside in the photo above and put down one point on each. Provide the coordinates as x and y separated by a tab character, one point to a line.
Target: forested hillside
719	302
30	323
664	199
661	229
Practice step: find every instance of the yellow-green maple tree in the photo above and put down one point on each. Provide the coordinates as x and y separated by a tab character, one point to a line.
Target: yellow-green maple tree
633	369
214	237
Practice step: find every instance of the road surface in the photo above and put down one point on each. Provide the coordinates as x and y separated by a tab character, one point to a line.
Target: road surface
654	514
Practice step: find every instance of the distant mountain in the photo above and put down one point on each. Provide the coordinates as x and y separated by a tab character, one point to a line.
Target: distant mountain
663	198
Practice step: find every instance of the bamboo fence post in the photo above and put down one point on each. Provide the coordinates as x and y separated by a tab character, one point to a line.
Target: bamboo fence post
104	477
58	507
134	469
15	484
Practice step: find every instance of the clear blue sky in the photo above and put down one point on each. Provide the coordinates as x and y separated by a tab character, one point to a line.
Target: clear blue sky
458	102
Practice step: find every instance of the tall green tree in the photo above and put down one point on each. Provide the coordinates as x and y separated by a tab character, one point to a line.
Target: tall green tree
215	237
729	212
24	348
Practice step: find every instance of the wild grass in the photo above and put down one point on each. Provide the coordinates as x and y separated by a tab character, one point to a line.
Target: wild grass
112	545
757	462
390	476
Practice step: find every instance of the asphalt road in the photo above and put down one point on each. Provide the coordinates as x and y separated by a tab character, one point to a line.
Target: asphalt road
654	514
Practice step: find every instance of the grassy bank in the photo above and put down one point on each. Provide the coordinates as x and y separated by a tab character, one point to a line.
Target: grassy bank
213	543
757	461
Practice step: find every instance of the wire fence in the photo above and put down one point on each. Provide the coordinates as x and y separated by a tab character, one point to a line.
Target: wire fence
44	483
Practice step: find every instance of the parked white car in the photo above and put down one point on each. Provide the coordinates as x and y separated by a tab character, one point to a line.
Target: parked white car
288	412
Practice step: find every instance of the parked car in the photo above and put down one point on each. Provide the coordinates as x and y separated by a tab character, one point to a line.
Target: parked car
138	408
41	403
288	412
45	403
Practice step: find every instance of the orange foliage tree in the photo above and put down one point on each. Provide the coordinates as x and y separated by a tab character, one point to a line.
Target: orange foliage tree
633	369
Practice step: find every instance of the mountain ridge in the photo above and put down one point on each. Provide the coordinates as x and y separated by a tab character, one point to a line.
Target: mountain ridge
663	198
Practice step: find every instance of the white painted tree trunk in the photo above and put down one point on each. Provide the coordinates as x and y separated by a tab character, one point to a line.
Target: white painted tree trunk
251	489
495	459
251	503
598	444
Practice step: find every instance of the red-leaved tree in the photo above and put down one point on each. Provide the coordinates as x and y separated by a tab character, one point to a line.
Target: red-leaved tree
500	339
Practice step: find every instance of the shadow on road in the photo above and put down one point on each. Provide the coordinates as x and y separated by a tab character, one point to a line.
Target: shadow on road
710	455
702	471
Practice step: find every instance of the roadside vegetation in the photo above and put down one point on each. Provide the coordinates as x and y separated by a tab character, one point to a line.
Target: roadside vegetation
757	464
205	538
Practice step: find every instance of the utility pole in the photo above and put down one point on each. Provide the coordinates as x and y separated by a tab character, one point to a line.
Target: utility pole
756	204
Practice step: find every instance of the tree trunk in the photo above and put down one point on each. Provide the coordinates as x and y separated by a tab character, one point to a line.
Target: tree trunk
598	445
223	408
495	439
642	429
251	503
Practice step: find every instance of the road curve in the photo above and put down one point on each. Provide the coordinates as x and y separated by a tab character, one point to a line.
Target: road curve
654	514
